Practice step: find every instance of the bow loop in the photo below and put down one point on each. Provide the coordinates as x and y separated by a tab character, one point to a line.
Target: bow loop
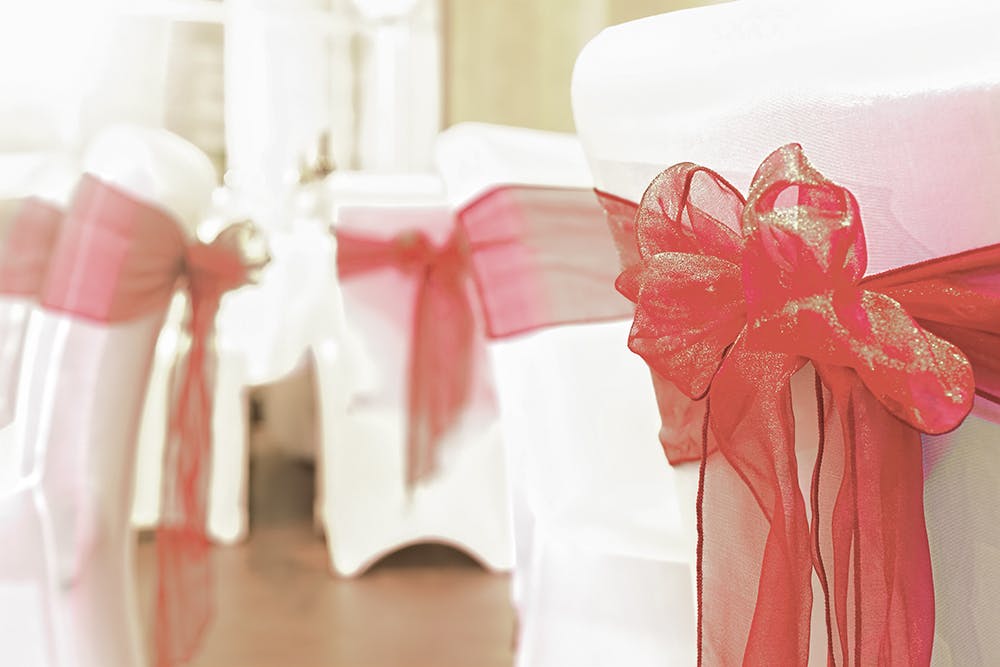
211	270
803	235
690	209
689	310
921	378
804	261
687	286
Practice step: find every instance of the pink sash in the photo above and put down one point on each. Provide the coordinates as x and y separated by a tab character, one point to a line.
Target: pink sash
118	259
541	257
24	261
443	333
25	252
538	256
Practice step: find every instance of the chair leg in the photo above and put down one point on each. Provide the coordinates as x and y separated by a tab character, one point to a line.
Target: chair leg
329	410
227	503
319	502
27	583
153	423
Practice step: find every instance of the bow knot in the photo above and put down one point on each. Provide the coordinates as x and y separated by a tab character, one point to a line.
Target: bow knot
789	283
442	337
212	269
413	250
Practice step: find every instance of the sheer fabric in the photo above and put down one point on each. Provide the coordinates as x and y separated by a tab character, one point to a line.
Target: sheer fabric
28	587
541	257
903	117
414	426
27	246
443	331
596	515
119	260
729	320
24	259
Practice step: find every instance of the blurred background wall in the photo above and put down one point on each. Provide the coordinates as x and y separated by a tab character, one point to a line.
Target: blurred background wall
510	62
263	86
265	78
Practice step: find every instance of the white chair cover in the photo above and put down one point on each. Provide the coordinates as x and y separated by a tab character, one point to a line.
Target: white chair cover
68	572
896	101
368	510
265	332
582	448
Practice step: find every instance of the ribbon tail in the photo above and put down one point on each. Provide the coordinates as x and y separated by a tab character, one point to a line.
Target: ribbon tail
820	533
441	364
757	558
882	582
12	339
184	593
681	422
183	608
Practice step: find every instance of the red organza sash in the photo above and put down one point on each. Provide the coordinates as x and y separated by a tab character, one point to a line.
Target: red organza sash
24	261
443	333
24	255
118	259
733	297
541	257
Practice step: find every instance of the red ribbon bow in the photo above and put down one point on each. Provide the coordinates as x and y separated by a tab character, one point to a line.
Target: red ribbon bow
442	335
729	317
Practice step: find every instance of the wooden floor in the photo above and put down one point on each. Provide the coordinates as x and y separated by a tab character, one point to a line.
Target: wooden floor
278	606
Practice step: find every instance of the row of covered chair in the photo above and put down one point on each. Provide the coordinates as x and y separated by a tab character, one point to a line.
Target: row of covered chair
828	488
806	475
104	274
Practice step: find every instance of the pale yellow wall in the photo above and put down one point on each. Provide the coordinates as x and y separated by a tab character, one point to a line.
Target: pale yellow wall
619	11
510	61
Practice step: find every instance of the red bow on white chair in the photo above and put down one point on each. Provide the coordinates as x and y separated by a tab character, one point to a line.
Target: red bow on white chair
118	259
734	296
442	335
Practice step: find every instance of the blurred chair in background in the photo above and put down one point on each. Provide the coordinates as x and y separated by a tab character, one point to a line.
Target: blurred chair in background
42	189
86	365
29	232
474	159
293	76
267	332
254	83
411	448
571	398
